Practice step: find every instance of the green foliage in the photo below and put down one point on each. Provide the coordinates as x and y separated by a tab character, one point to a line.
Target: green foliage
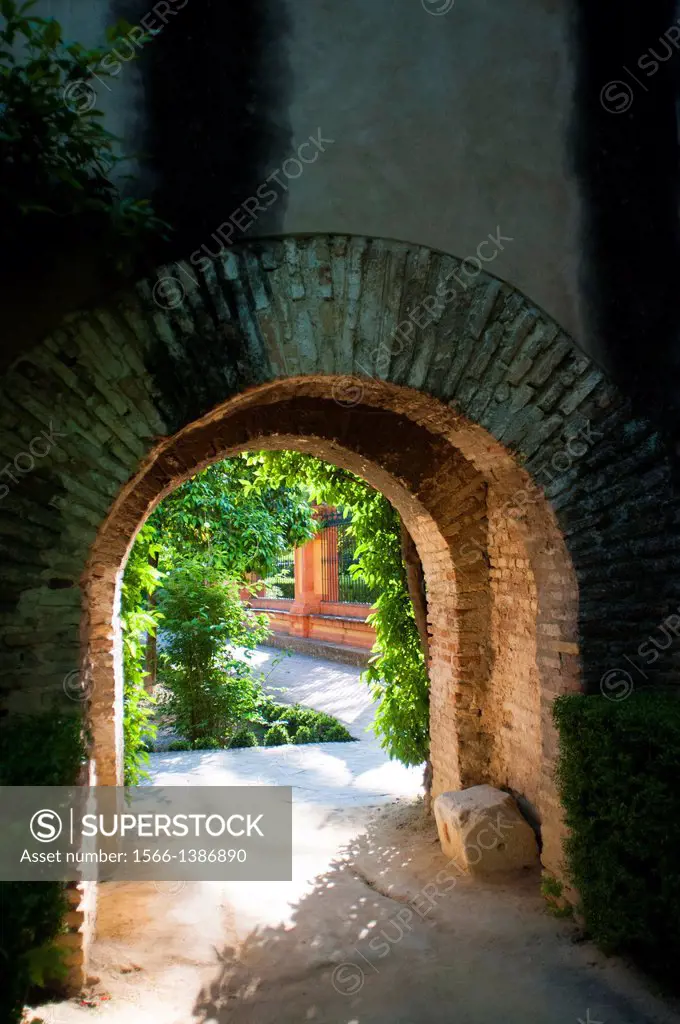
241	522
335	733
207	743
269	710
552	891
179	745
59	739
57	158
618	775
322	727
138	620
210	691
397	673
221	518
276	735
31	917
244	738
313	726
32	913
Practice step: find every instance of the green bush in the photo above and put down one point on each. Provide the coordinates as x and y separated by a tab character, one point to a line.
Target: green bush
335	733
276	736
179	745
36	750
209	691
618	773
305	735
206	743
327	729
318	726
298	717
270	711
552	891
244	738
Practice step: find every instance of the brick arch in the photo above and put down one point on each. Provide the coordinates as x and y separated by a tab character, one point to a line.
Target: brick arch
494	580
555	471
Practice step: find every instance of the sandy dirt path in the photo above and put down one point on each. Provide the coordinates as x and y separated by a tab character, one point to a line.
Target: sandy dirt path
372	929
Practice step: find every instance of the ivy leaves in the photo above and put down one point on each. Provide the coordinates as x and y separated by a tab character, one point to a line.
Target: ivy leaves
242	521
397	673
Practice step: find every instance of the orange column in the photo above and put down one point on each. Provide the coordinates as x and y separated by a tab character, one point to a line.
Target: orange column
308	590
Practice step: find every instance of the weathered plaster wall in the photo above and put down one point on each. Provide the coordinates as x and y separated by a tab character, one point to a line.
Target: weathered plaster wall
493	115
444	128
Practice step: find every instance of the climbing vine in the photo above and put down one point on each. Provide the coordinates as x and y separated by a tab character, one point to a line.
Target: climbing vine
139	621
397	672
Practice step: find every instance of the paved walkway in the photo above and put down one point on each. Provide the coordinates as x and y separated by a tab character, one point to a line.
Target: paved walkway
340	943
329	774
323	685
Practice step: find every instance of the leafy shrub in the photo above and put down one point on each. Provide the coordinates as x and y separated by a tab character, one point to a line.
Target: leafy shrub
179	745
35	750
297	717
41	750
244	738
305	735
57	177
618	773
335	733
552	891
270	711
319	726
276	736
209	690
206	743
327	729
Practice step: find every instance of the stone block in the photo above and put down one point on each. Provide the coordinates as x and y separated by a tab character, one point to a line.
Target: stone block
482	830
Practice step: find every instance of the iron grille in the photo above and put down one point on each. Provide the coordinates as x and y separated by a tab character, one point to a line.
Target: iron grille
337	557
282	583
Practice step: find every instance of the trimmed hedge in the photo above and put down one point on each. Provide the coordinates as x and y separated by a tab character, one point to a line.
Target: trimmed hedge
276	736
277	724
314	726
619	778
243	738
40	750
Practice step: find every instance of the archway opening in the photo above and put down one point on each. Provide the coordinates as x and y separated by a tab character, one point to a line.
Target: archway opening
202	614
501	593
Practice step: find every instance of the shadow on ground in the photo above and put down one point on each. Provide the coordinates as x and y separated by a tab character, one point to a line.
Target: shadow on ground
390	933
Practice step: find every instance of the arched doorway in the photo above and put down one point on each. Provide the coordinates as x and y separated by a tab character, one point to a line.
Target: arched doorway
491	568
528	486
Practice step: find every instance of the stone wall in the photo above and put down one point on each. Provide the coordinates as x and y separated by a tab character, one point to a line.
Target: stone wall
542	510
